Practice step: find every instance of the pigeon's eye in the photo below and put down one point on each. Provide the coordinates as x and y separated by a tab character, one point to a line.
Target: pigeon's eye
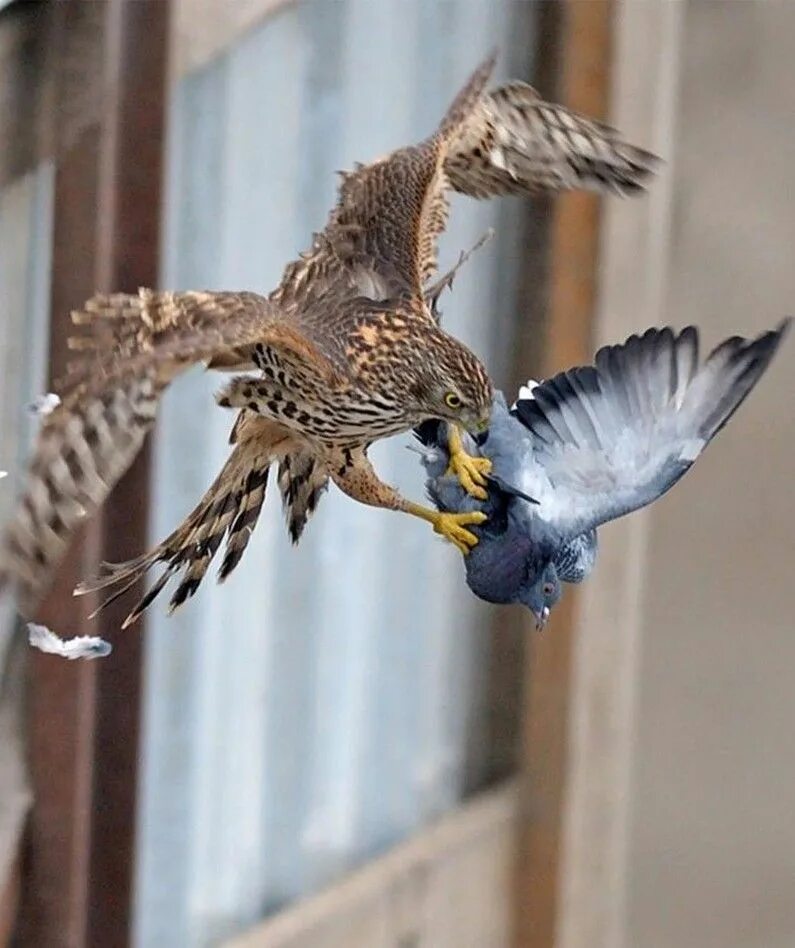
452	400
549	589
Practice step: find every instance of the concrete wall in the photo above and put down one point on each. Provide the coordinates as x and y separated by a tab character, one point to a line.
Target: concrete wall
712	839
680	822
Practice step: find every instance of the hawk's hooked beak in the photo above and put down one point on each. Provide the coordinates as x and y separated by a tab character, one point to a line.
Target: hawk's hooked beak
480	431
541	618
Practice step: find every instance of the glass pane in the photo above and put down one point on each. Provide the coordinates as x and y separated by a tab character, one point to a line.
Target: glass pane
25	253
316	708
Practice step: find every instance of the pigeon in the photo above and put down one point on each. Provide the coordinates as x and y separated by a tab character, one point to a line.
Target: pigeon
588	446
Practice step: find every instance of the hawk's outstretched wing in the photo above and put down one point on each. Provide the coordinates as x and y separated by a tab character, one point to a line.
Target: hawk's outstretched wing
512	142
108	404
390	213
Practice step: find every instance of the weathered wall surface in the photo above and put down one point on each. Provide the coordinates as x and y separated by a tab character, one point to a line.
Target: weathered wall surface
712	840
680	828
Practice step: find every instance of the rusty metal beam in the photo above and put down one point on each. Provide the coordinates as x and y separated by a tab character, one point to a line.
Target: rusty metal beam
576	40
83	717
9	901
134	170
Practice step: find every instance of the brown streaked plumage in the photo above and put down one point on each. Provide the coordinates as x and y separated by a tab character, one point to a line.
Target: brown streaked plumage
346	350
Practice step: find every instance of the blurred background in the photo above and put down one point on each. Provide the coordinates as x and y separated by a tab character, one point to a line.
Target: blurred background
341	746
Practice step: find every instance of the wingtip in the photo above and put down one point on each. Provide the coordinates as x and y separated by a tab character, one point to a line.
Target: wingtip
770	340
649	161
490	60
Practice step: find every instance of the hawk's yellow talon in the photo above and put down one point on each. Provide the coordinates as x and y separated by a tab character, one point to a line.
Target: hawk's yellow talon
452	527
470	471
449	525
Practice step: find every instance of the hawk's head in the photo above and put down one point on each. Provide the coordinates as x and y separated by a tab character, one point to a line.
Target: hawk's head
452	384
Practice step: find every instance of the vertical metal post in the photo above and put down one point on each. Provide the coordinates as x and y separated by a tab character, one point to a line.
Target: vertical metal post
575	43
83	721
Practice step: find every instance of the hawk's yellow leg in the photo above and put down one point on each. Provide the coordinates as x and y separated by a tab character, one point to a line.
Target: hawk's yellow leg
352	472
452	526
470	471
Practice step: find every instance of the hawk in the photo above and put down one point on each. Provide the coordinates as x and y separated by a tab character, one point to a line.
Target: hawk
346	350
588	446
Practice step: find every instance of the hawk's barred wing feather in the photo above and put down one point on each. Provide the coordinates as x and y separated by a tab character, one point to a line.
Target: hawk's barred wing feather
82	450
173	330
515	143
141	343
380	240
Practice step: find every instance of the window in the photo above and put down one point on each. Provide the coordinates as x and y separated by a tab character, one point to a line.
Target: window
320	706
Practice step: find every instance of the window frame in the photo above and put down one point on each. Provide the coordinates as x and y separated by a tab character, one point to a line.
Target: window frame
74	875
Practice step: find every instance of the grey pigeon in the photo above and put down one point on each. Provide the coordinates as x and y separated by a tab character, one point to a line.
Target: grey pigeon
588	446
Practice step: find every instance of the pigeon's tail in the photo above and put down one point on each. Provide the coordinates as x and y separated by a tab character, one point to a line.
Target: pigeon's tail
443	490
431	433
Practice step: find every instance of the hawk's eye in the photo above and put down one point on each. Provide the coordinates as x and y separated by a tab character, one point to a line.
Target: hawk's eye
549	589
452	400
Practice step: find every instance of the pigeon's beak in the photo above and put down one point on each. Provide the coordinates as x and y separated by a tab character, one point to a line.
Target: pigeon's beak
541	618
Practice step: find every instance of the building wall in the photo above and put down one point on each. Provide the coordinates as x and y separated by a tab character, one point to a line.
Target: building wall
679	800
712	838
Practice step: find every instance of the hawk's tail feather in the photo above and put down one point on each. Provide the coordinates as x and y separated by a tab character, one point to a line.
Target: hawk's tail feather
227	514
248	511
301	483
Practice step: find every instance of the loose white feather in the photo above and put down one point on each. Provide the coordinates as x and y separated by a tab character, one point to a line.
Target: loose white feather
45	404
82	646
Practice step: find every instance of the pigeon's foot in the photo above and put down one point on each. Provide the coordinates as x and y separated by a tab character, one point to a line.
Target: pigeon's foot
452	526
470	471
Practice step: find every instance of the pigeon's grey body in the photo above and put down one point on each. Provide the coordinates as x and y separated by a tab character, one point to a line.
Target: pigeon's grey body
588	446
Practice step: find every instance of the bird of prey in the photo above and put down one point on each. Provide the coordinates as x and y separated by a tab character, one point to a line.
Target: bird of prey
588	446
346	350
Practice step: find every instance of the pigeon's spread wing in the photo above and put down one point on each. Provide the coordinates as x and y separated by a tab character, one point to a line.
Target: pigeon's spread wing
136	346
612	438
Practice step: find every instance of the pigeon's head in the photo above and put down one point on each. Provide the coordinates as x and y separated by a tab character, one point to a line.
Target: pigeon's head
540	592
506	568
